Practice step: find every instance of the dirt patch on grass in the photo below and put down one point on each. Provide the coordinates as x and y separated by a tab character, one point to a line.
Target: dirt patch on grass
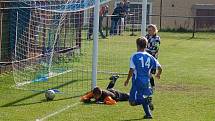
182	87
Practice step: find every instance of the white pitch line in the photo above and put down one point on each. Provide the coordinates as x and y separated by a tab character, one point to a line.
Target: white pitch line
57	112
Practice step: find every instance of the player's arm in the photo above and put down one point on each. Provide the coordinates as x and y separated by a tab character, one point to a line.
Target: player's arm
157	44
109	101
159	69
159	72
131	71
87	97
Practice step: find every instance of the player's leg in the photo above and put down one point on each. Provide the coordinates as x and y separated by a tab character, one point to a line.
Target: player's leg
112	27
115	27
122	96
151	106
122	24
153	72
152	81
100	27
132	96
90	32
112	82
119	27
146	109
142	100
142	97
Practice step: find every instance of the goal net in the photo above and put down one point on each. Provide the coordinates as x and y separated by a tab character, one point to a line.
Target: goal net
52	48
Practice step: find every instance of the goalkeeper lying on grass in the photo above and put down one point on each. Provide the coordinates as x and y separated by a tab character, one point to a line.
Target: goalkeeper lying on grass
109	96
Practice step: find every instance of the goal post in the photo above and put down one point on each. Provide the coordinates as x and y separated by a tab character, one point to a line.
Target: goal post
95	43
144	16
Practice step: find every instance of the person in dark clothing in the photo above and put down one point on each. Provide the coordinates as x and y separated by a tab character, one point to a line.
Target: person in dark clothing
103	11
109	96
118	13
125	7
153	46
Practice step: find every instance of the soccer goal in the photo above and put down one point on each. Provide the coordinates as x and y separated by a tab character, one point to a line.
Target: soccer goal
52	48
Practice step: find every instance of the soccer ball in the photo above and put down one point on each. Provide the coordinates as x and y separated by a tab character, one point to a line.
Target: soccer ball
50	94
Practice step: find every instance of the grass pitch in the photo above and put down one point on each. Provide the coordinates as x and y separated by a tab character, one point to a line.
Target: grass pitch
184	93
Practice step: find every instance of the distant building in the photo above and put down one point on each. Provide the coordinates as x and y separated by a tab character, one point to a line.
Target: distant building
180	8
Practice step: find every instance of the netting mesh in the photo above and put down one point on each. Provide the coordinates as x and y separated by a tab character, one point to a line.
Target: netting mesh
52	47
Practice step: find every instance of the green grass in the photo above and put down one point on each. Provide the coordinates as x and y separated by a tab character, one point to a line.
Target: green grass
184	93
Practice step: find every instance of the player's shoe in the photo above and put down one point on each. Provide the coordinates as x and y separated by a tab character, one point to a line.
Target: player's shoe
147	117
113	81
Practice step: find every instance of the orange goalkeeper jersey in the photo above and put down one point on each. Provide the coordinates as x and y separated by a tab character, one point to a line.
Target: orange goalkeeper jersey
107	97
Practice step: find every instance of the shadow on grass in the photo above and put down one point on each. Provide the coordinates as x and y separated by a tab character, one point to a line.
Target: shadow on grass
33	95
90	103
200	39
135	119
42	101
190	38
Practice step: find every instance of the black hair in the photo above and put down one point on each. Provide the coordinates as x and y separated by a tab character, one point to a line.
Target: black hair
97	91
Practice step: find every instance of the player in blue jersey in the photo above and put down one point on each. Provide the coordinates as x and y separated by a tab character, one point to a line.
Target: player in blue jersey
141	64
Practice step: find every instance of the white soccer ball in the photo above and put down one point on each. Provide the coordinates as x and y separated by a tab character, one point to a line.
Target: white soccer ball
49	94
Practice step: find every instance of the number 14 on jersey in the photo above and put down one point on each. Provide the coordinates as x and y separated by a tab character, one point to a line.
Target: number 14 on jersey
145	64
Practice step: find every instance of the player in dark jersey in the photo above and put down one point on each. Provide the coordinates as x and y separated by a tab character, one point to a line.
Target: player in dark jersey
153	49
109	96
153	46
